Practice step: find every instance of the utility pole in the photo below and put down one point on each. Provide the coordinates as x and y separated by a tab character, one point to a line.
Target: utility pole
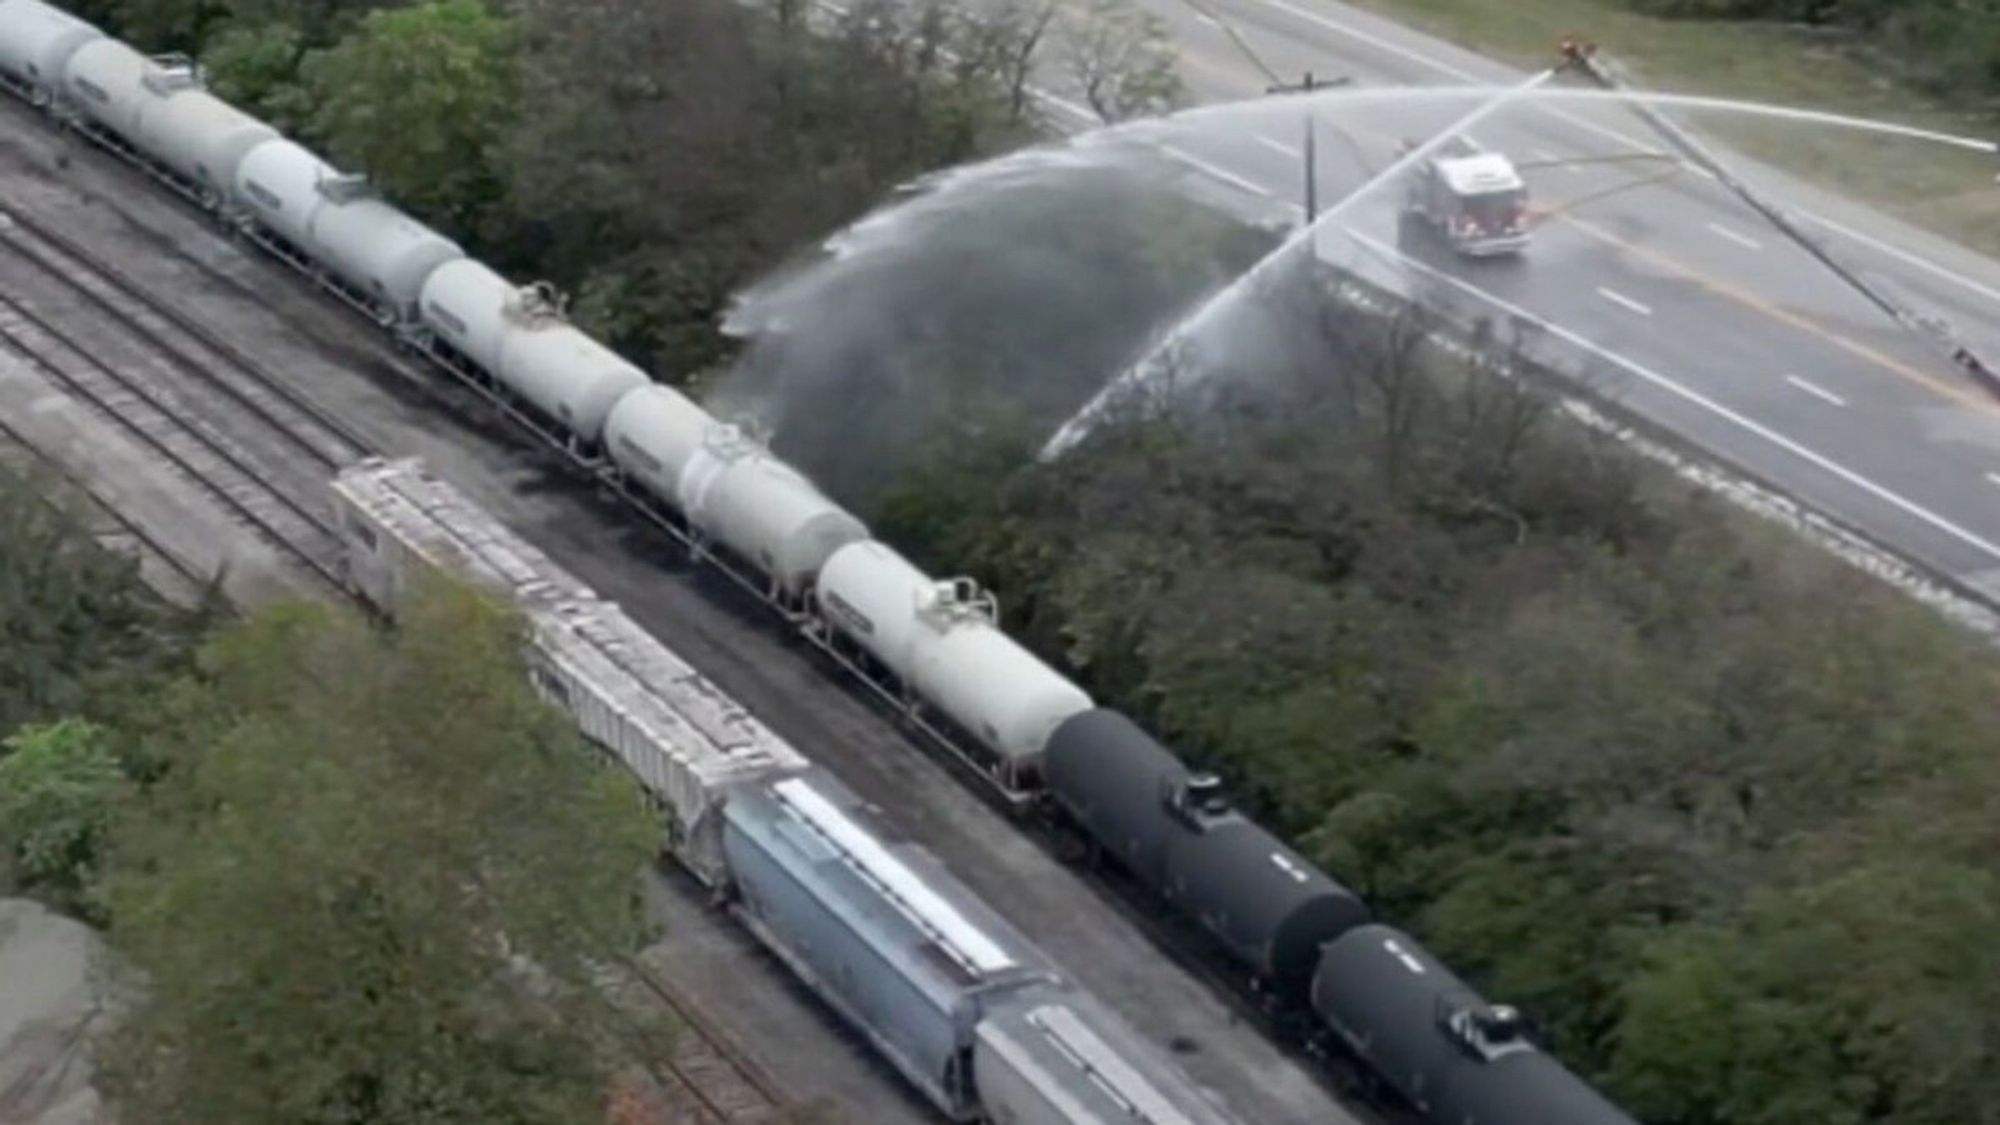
1312	163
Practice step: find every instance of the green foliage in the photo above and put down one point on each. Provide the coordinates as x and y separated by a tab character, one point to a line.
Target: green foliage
1948	45
58	788
256	68
414	98
379	881
1557	713
79	629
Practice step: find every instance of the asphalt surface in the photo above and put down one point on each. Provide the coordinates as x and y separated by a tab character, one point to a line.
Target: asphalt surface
1674	297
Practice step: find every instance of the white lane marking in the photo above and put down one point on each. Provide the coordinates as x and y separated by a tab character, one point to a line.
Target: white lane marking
1994	477
1819	392
1210	20
1617	298
1689	394
1544	155
1742	240
1902	255
1223	174
1279	146
1446	68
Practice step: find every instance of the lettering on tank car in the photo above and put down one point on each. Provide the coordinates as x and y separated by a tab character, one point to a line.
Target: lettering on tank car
263	195
94	90
445	317
1403	955
1284	864
639	454
849	616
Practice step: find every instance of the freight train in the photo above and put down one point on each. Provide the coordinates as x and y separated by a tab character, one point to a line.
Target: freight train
932	648
962	1006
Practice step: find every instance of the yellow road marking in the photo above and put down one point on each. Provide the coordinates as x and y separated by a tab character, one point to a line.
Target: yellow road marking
1785	316
1756	303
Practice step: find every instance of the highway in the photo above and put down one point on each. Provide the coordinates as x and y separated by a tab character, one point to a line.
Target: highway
1675	298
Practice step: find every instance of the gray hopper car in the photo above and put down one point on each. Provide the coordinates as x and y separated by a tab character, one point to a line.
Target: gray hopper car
1269	907
1441	1047
884	934
689	745
1057	1058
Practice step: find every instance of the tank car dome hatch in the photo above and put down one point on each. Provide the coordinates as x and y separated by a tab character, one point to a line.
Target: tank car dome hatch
988	683
763	509
566	374
870	594
652	434
379	251
106	80
1404	1014
463	302
36	44
202	137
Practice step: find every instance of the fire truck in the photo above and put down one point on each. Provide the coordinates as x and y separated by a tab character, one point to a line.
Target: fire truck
1473	199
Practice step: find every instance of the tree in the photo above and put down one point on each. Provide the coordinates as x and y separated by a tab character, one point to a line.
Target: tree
379	881
1121	58
79	628
59	785
414	98
257	69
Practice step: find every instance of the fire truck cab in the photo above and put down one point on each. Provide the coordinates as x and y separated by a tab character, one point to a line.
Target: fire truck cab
1475	200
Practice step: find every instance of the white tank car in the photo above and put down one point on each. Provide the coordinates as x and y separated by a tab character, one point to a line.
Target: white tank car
941	640
277	183
36	42
566	374
685	741
381	253
464	302
736	492
519	335
106	82
201	137
652	434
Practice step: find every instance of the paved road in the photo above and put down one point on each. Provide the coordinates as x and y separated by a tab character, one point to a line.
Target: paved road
1674	296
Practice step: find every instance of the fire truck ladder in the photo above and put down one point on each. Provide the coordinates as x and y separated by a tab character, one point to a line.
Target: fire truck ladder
1585	59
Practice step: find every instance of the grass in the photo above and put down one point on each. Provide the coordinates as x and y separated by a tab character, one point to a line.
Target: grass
1949	191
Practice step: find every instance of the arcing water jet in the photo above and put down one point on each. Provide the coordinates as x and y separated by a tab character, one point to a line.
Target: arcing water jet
1135	379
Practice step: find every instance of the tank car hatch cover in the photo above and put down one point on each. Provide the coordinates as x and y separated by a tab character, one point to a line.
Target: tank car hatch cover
1106	1068
955	935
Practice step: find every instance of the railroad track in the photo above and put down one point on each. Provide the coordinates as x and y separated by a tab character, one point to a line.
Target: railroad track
171	574
227	425
713	1081
204	356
